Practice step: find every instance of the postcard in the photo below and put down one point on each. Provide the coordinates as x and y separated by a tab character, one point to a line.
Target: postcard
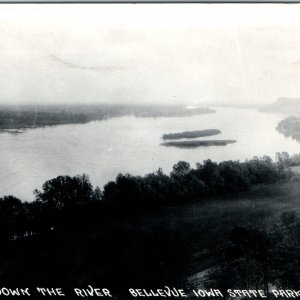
149	150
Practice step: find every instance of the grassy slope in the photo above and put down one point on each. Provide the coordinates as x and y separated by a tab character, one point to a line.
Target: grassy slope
203	224
251	206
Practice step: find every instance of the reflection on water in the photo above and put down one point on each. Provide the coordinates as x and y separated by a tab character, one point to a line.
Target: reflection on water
129	144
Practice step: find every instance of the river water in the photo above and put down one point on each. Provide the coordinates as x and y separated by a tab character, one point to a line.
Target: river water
102	149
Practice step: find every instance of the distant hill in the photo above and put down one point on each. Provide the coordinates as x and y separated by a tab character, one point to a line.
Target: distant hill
284	106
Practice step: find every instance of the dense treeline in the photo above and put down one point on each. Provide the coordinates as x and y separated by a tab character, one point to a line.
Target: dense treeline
185	183
130	193
25	119
81	235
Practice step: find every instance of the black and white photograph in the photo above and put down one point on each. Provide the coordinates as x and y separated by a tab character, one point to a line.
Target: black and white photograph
150	151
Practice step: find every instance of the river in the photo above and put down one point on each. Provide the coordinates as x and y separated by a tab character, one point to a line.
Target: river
102	149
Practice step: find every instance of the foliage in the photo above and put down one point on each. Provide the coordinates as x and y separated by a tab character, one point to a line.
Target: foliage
290	127
83	236
64	191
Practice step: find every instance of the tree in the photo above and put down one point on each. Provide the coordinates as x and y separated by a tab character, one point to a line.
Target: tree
181	168
283	159
97	194
262	170
235	176
208	172
12	217
65	191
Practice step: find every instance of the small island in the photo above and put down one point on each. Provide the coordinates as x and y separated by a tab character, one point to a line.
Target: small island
195	144
191	134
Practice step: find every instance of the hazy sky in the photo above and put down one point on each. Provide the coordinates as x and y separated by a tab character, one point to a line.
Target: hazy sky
149	53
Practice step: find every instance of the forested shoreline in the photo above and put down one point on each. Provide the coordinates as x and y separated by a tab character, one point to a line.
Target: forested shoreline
290	127
157	189
31	116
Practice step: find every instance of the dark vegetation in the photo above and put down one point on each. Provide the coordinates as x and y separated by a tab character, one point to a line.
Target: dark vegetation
198	143
290	127
26	119
12	117
191	134
156	230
